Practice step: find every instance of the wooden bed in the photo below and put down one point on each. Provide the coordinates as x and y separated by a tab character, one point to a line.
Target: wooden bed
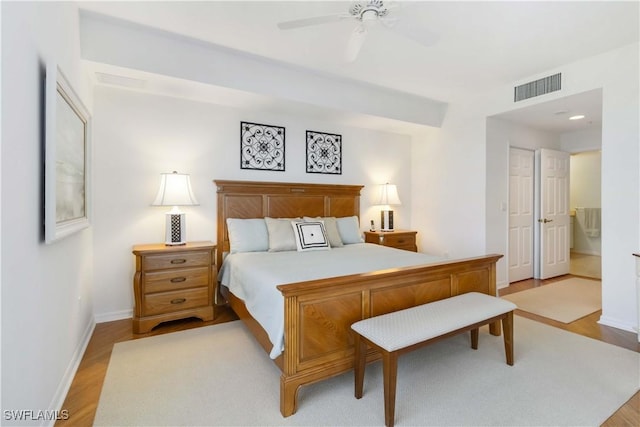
319	313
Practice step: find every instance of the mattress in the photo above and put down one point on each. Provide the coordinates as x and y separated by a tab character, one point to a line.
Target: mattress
253	276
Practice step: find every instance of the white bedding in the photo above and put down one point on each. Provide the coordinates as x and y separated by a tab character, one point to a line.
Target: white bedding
253	276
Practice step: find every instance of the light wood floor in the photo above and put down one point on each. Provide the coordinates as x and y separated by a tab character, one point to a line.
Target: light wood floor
83	396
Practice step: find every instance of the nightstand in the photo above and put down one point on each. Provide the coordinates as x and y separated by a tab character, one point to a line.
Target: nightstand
173	282
400	239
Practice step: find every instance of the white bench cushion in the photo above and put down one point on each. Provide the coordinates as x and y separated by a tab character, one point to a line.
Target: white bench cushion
400	329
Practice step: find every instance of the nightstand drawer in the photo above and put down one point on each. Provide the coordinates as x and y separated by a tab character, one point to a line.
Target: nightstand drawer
183	278
177	260
398	240
168	302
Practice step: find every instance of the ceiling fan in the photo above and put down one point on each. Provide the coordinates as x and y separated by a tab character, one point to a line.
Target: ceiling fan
366	14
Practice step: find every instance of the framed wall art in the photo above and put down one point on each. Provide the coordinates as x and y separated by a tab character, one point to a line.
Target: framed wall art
261	147
67	158
324	153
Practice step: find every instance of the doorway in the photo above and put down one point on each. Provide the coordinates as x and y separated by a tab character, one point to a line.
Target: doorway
539	222
584	201
545	124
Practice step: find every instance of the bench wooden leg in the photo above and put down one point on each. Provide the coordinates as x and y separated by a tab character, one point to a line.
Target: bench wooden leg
359	364
389	372
507	326
474	338
494	328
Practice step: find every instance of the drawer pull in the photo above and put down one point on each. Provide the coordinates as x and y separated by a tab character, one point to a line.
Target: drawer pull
178	279
178	261
178	300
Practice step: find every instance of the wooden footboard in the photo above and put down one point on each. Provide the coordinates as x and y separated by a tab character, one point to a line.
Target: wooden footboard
319	313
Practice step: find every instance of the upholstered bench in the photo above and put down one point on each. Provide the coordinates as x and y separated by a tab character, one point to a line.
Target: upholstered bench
406	330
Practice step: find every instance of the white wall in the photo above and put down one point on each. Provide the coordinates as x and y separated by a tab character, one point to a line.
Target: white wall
448	196
139	136
620	186
501	135
47	313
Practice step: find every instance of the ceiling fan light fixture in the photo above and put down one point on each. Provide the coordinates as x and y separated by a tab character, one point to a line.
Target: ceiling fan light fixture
369	18
369	15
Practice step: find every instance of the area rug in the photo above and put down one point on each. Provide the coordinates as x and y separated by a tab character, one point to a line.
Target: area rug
219	375
565	301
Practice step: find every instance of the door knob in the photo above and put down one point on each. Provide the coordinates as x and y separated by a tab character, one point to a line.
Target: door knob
544	220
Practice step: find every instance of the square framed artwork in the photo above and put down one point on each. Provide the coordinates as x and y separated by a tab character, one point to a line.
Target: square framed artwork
262	147
67	159
324	153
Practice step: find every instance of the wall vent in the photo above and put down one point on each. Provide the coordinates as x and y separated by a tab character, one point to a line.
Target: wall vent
538	87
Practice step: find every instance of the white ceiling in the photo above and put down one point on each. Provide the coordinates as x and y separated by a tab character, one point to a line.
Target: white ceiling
479	44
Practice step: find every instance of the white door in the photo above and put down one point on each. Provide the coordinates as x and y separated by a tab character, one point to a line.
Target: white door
554	213
521	166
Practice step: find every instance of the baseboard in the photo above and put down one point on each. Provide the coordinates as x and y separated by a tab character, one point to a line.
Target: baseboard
501	285
70	373
615	323
114	315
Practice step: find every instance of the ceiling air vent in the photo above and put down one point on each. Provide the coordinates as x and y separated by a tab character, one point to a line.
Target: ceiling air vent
538	87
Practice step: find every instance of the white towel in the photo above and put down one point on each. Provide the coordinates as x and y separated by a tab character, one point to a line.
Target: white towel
592	222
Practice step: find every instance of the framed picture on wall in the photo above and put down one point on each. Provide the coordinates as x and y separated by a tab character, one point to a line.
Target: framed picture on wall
67	160
324	152
261	146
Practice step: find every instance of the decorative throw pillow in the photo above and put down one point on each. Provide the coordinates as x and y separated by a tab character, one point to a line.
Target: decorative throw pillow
331	227
349	228
310	236
281	236
247	235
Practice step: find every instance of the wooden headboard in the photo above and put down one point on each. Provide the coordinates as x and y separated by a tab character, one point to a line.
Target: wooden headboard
252	199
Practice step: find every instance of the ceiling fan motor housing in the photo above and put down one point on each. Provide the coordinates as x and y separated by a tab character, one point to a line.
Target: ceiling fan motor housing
369	11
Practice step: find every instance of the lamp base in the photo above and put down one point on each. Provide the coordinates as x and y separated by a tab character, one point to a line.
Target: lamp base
175	232
386	220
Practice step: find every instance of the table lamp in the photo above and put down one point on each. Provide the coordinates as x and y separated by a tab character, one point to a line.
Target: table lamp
175	190
388	197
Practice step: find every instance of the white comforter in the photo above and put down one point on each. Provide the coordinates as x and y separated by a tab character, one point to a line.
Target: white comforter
253	276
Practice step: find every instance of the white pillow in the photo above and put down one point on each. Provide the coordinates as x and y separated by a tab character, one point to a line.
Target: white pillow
281	236
331	227
247	235
349	229
310	236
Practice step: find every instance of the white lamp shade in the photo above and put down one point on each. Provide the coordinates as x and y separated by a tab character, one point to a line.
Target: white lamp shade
388	195
175	190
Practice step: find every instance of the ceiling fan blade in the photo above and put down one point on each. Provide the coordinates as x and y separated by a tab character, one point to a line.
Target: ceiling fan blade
358	35
411	30
306	22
